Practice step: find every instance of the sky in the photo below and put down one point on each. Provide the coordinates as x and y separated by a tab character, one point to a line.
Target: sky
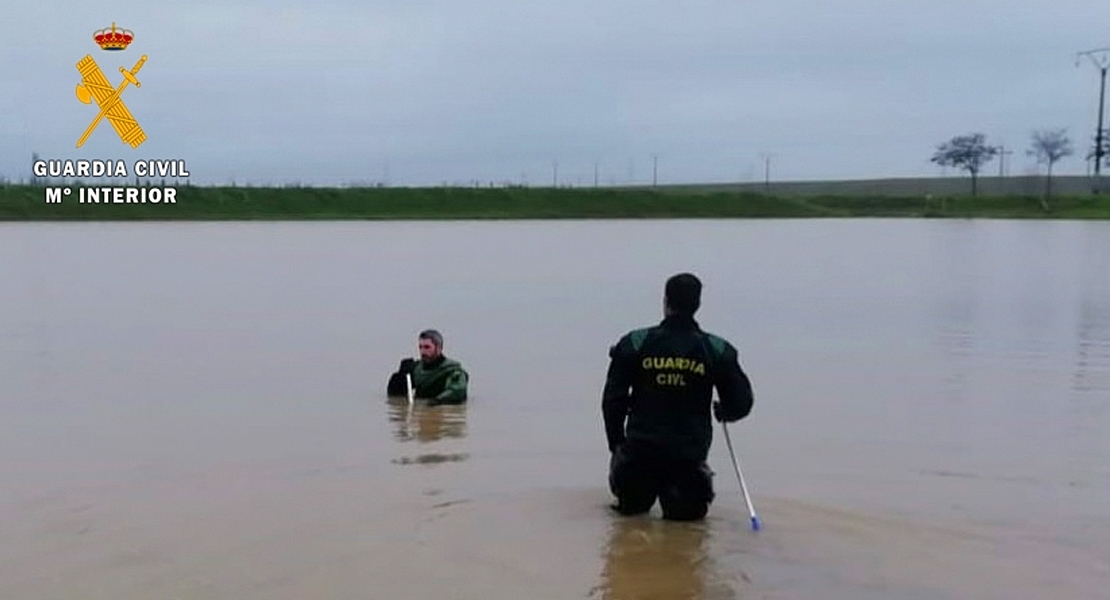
426	92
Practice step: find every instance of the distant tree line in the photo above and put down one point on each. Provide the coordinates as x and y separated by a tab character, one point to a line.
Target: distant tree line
970	152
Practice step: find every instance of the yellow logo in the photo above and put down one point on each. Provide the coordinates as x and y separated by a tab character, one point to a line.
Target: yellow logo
95	86
672	363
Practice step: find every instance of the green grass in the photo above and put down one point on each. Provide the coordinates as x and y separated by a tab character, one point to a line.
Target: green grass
909	187
27	203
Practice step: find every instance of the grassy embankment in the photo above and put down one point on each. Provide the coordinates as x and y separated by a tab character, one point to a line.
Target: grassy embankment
26	203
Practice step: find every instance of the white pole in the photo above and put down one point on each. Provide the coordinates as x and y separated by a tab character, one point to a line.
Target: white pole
408	384
743	488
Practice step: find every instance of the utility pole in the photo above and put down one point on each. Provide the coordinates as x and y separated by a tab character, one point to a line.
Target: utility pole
766	171
654	169
24	155
554	173
1101	59
1002	154
595	173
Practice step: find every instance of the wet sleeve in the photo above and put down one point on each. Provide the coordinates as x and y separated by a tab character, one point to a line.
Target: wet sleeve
396	384
615	399
733	387
454	389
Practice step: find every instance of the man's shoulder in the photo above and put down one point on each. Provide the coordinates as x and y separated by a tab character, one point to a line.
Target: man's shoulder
634	339
450	363
721	346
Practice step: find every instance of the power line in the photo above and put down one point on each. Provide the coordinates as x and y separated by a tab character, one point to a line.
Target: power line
1101	59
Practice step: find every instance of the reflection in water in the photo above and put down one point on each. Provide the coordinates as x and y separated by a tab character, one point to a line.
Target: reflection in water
1090	403
957	299
1092	369
431	459
427	424
955	339
650	559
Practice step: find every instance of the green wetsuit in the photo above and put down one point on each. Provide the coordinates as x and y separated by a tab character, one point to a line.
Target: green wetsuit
441	381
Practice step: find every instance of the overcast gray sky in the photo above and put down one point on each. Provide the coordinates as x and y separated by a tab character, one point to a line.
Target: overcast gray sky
427	91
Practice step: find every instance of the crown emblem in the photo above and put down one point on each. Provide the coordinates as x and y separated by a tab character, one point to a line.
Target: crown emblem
113	39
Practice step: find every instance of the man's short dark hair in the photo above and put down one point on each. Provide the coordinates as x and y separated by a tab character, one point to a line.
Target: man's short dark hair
433	335
683	293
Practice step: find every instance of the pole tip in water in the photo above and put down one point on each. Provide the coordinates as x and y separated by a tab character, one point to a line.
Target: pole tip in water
755	524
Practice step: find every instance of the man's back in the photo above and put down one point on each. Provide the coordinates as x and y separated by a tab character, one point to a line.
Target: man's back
658	407
671	370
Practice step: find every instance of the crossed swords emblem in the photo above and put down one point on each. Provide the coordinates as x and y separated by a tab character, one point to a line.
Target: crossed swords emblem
95	86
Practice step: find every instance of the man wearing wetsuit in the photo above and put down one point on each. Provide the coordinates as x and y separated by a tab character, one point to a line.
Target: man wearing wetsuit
436	378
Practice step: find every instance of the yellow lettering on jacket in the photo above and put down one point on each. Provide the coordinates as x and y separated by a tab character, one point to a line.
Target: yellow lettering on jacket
670	379
672	363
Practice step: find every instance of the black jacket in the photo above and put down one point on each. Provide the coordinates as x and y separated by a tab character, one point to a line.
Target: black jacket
661	382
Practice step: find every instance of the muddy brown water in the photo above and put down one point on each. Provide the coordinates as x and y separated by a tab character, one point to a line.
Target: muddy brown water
198	410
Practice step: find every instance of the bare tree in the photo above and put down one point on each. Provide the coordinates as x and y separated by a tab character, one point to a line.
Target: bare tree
968	152
1049	147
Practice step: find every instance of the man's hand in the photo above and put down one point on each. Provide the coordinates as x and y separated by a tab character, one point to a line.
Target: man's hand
407	365
717	413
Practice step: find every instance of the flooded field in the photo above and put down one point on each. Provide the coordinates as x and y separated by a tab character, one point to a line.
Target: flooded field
198	410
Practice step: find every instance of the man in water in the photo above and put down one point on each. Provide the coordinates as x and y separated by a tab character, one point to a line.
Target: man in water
661	382
435	377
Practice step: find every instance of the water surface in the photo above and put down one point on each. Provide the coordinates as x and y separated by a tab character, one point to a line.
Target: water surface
198	410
